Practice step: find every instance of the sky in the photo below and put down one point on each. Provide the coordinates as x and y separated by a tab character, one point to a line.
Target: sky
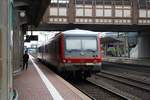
42	36
45	36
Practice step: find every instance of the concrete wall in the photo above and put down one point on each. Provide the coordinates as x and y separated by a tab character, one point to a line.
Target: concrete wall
134	52
142	49
144	45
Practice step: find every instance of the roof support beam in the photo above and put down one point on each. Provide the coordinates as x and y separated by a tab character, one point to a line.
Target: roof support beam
40	11
135	12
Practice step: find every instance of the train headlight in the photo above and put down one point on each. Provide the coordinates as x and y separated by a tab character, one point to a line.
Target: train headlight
69	61
64	61
95	61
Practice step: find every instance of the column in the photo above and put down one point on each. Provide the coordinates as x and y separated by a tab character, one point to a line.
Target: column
16	43
0	46
135	12
71	11
5	50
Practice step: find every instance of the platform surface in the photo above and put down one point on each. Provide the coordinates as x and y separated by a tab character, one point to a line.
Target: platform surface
40	83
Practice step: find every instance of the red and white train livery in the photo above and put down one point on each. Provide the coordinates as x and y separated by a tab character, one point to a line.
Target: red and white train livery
73	51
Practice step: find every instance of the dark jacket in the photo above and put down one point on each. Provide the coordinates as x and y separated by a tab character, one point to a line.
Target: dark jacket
25	57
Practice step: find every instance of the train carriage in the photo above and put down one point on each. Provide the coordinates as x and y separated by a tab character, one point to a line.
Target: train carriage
73	51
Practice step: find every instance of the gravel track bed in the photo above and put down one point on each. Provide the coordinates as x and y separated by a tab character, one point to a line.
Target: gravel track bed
139	76
140	93
125	80
138	68
96	92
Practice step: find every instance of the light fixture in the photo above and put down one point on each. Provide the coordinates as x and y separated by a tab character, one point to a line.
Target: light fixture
22	14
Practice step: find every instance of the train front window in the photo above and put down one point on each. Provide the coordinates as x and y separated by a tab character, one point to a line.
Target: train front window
73	44
81	43
89	44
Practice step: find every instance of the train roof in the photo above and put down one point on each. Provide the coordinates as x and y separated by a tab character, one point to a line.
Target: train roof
80	32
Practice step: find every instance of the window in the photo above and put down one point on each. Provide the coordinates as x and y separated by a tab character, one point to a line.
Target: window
79	11
53	11
79	43
127	13
83	7
88	12
118	13
58	8
142	13
59	1
142	4
73	44
107	12
89	44
99	12
62	12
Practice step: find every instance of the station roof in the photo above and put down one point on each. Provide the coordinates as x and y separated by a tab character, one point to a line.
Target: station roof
34	9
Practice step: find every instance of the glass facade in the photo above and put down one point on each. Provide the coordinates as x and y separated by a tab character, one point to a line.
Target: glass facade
99	11
84	8
103	11
91	11
58	11
144	11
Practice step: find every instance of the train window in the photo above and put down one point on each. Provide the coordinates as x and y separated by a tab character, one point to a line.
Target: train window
81	43
89	44
73	44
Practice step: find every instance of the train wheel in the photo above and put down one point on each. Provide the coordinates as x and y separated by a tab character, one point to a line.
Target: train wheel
78	75
86	74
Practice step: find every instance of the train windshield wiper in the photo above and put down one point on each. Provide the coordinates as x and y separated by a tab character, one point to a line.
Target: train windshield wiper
74	50
90	50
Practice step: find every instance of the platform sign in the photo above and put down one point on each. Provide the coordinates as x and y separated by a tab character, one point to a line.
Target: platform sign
27	38
31	38
34	37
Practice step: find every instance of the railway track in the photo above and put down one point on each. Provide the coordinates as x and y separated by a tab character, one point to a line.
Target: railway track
133	67
131	82
95	92
125	90
134	73
118	83
125	80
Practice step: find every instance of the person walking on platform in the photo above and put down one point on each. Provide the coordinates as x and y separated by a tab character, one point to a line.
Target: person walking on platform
25	60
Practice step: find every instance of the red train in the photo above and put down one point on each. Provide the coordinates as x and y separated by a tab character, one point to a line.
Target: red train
74	51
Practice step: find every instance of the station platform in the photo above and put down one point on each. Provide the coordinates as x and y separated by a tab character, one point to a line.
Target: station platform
125	60
39	83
